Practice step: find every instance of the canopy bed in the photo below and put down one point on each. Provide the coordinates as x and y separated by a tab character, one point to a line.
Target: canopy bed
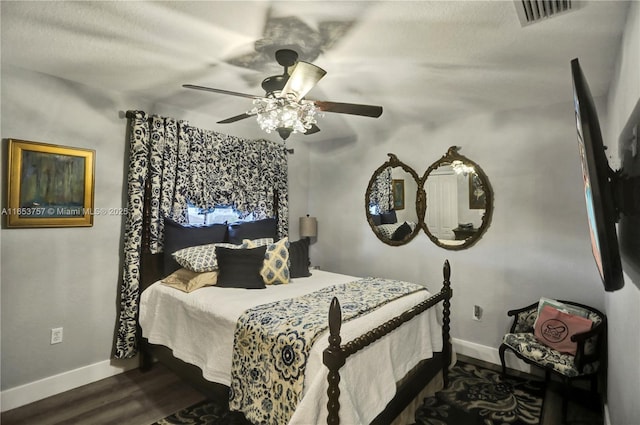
357	368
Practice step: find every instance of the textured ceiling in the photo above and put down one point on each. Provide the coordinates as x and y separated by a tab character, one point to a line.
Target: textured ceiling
423	61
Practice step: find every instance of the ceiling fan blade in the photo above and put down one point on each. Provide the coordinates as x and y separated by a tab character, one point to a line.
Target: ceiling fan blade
236	118
303	78
232	93
349	108
314	129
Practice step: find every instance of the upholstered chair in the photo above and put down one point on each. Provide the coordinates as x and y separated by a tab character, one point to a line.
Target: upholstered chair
588	361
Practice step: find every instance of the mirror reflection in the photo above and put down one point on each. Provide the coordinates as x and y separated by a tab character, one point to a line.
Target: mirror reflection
391	202
459	201
452	202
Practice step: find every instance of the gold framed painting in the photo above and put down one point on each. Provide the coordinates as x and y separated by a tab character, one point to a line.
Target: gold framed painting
398	194
49	185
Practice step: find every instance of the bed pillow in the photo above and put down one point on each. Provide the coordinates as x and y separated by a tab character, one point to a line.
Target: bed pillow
240	268
299	258
254	243
202	258
267	228
401	232
178	236
275	267
554	329
389	217
188	281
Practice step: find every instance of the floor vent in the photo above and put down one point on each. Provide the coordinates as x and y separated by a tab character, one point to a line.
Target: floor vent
532	11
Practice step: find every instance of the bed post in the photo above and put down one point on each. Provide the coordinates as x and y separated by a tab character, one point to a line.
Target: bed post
446	314
334	357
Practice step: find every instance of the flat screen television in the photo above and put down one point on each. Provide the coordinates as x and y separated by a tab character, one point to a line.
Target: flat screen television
599	184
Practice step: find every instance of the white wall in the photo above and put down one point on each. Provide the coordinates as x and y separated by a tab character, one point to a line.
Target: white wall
623	307
62	277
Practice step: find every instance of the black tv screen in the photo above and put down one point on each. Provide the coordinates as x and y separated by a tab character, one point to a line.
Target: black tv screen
598	185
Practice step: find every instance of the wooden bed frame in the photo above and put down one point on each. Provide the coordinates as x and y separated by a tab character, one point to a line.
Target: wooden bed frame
334	356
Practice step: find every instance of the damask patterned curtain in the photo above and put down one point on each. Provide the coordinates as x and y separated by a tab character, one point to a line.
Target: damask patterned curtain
189	164
382	192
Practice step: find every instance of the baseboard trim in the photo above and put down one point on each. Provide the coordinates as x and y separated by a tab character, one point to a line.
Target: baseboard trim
43	388
489	355
607	418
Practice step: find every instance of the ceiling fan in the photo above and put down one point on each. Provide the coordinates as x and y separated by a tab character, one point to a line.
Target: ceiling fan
284	108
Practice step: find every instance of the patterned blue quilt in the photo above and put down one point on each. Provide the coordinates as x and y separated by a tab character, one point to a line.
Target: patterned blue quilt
272	343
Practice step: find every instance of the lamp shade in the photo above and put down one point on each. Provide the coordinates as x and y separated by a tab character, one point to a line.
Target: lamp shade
303	78
308	227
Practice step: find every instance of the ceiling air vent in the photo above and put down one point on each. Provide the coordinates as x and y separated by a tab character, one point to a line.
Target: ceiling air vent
532	11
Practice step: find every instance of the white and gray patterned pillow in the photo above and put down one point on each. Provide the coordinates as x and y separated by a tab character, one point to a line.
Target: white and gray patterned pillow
387	230
255	243
202	258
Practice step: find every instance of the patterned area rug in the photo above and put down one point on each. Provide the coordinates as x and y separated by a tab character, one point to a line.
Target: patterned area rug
204	413
481	396
475	396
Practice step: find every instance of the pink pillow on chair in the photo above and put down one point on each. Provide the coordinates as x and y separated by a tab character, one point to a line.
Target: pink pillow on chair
554	329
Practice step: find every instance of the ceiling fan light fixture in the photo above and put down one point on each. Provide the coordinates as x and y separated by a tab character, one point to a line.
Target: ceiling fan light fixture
284	108
276	113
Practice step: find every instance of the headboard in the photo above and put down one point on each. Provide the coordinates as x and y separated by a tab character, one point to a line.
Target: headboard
152	265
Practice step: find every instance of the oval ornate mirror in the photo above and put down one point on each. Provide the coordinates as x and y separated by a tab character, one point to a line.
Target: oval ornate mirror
395	202
459	201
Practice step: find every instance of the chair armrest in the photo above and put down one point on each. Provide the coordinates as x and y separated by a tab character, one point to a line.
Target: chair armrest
583	358
524	318
582	336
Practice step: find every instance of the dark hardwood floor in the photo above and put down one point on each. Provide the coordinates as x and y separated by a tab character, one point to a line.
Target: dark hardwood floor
142	398
130	398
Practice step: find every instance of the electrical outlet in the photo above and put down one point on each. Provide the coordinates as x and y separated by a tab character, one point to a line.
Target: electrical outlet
56	335
477	312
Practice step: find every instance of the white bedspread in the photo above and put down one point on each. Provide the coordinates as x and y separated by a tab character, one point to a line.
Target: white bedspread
198	327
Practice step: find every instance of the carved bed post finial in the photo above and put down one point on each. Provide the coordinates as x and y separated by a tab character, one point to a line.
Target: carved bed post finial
335	323
446	272
446	314
334	358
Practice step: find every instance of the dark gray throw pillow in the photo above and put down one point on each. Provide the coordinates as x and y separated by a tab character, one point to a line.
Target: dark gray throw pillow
267	228
377	219
240	268
178	236
299	258
401	232
389	217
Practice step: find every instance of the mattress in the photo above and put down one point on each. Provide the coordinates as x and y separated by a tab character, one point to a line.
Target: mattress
199	328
